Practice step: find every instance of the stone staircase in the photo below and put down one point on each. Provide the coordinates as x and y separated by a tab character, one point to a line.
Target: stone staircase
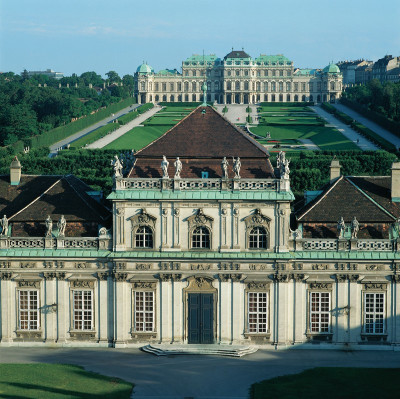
191	349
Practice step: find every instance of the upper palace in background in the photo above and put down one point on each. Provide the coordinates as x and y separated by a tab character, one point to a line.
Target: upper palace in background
238	79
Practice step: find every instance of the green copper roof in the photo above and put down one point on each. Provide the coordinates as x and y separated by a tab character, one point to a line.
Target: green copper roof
144	68
331	68
201	195
200	58
168	72
278	59
306	72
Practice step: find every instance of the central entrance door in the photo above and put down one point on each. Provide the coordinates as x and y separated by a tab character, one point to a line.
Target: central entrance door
201	319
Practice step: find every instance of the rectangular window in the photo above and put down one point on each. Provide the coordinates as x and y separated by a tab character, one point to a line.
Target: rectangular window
374	312
82	310
257	312
144	311
320	312
29	310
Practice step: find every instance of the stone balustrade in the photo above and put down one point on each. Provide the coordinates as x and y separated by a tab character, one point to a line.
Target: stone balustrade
93	243
342	244
200	184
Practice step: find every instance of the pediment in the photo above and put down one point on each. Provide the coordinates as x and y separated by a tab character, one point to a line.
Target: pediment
143	218
257	219
200	219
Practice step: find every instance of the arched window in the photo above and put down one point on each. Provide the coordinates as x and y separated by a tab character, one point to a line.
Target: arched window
281	73
201	238
186	86
258	86
332	85
194	73
216	85
258	238
237	73
288	98
144	237
143	86
194	97
228	86
193	86
288	86
273	86
157	98
303	98
164	97
237	85
296	98
246	85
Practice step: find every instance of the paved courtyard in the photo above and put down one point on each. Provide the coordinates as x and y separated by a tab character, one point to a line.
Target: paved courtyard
198	377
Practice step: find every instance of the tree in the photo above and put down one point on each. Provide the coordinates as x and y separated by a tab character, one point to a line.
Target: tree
113	77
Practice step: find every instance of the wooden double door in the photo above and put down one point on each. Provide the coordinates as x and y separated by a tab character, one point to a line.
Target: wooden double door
201	318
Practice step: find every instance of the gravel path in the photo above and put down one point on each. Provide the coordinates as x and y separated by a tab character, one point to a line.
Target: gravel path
68	140
124	129
369	124
348	132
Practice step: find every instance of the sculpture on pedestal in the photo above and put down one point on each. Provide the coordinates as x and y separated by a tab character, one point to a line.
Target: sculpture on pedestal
4	226
178	168
224	166
62	223
117	165
355	227
341	227
164	167
49	226
236	167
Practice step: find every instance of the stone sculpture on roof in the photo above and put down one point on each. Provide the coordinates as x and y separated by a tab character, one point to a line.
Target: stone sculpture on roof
62	223
341	227
178	168
164	167
49	226
224	166
355	227
117	165
236	167
4	226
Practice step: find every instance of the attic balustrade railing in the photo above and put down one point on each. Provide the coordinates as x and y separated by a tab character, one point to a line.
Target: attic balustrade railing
336	244
93	243
199	184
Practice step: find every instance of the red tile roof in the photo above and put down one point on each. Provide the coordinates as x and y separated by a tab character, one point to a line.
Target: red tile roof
201	140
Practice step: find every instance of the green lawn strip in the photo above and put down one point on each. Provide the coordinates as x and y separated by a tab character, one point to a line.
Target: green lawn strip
137	138
330	383
58	381
95	135
283	109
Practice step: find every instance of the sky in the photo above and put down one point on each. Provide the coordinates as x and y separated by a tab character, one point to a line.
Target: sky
75	36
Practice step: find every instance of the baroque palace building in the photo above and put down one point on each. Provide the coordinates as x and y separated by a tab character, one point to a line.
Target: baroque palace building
200	246
238	79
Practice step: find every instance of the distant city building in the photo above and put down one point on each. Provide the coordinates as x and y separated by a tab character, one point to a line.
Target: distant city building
383	66
349	68
238	79
48	72
393	75
364	73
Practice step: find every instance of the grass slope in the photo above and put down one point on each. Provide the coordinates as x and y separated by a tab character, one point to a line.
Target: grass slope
58	381
137	138
324	137
331	383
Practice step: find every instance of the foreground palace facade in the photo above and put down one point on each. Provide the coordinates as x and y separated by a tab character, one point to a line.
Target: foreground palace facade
200	248
238	79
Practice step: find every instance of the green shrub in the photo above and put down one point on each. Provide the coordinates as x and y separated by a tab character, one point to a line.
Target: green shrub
95	135
374	137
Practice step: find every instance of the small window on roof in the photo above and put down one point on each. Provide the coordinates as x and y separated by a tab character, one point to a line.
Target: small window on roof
204	175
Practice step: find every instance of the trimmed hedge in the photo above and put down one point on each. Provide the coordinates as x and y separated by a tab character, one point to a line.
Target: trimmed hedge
181	104
374	137
393	127
338	114
95	135
291	104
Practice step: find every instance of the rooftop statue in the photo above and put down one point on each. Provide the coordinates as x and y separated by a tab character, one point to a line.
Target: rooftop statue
341	227
224	166
117	165
178	168
355	227
62	223
236	167
164	167
4	226
49	226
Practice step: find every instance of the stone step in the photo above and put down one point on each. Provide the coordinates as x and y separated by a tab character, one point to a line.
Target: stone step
218	350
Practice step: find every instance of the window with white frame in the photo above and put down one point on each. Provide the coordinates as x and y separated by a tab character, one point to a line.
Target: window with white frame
320	312
374	313
82	309
144	237
258	238
28	317
257	312
201	238
144	311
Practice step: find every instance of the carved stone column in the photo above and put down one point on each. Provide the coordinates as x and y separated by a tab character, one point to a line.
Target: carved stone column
119	229
164	238
177	243
105	305
224	233
50	307
235	232
6	292
123	318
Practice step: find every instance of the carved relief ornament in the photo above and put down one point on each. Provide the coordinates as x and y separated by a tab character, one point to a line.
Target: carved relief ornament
144	285
200	219
320	286
28	284
143	219
82	284
375	286
257	219
257	285
200	284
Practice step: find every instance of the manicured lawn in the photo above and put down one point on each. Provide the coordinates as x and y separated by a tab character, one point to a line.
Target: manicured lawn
324	137
137	138
58	381
331	383
185	110
284	109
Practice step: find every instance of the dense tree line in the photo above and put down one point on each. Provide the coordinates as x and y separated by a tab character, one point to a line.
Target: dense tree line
381	98
28	110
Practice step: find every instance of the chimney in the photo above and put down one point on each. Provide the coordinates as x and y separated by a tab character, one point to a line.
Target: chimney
395	189
334	169
15	172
